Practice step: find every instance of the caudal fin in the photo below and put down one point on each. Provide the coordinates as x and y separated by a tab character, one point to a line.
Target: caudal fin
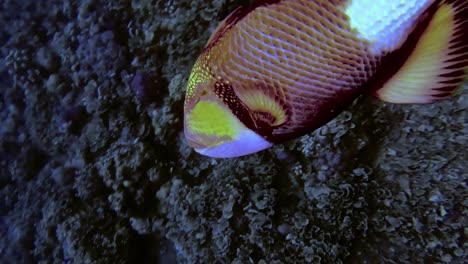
438	64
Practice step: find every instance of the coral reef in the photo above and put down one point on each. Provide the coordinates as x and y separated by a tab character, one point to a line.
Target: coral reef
94	167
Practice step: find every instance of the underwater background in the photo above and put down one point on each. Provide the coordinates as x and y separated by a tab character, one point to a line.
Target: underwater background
94	167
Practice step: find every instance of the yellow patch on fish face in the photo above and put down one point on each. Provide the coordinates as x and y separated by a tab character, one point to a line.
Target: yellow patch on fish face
210	124
206	120
212	129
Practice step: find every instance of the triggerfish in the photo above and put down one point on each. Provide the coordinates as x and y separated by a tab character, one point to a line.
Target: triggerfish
279	69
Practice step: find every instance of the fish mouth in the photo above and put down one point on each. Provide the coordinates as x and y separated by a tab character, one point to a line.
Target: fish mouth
191	139
202	142
193	143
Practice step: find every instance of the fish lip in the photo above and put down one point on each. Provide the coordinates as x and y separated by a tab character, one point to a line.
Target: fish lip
194	144
189	137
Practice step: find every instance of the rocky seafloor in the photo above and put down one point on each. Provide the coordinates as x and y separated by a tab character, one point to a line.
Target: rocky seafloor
94	167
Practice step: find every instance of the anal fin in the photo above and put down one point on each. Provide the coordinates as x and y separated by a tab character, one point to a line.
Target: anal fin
438	64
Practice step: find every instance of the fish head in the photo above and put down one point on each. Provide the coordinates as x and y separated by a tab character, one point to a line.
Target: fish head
227	113
216	122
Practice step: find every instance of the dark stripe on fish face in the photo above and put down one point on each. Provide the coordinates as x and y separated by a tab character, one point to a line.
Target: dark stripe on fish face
258	121
225	93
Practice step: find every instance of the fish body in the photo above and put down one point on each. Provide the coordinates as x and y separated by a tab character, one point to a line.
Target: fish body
277	70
